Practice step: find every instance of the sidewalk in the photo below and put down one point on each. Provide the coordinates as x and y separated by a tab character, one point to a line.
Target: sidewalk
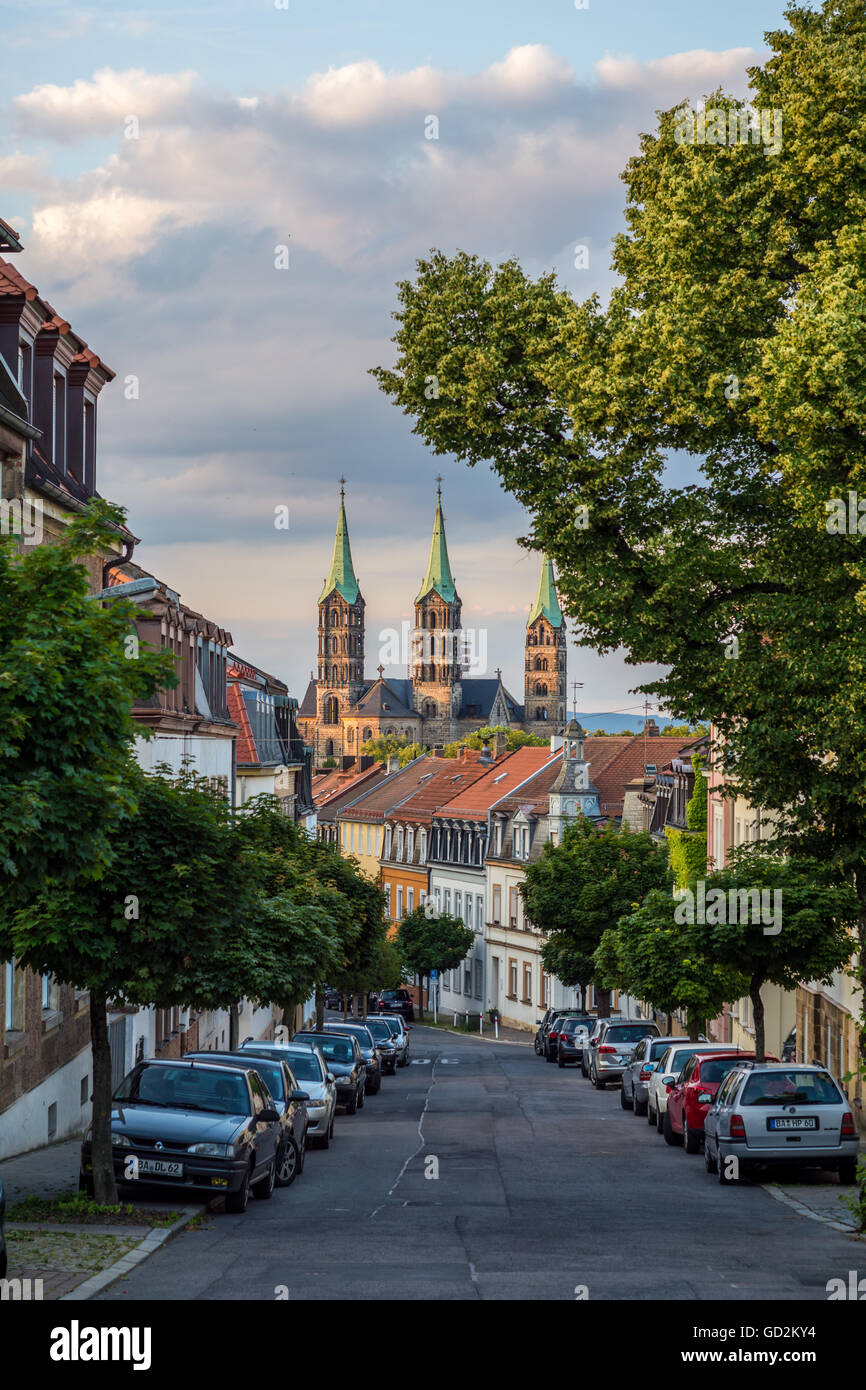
813	1194
506	1034
42	1172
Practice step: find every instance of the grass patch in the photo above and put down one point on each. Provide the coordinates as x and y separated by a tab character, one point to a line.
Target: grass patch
75	1252
80	1210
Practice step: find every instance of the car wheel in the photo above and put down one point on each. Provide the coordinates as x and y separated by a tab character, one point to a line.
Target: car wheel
549	1055
660	1122
352	1105
670	1134
583	1070
559	1062
302	1157
323	1141
624	1100
362	1095
639	1106
264	1188
691	1140
650	1115
599	1085
238	1201
848	1170
537	1048
288	1166
709	1162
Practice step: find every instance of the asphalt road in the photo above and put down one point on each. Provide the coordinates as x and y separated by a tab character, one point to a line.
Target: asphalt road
544	1185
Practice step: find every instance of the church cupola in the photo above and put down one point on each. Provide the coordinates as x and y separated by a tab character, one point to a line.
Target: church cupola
437	638
545	657
341	632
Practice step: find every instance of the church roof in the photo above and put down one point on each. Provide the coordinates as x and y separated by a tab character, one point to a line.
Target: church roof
382	699
341	575
478	698
438	576
546	602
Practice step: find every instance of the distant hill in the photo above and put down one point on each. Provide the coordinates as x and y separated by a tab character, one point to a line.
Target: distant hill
616	723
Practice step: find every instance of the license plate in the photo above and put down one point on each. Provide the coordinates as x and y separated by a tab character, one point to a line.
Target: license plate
160	1167
793	1122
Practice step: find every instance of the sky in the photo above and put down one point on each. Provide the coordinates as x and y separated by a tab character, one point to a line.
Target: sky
156	160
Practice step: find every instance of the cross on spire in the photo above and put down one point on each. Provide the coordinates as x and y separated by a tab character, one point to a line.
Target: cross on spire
439	486
342	482
381	670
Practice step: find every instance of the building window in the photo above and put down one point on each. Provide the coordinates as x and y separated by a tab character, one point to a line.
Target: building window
542	989
387	842
50	994
512	978
512	907
478	978
16	982
400	904
410	899
527	984
399	842
467	978
446	900
458	903
422	846
410	845
369	839
388	899
497	904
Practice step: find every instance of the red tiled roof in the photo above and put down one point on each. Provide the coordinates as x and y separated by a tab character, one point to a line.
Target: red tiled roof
12	282
614	774
504	776
534	796
246	746
339	787
449	777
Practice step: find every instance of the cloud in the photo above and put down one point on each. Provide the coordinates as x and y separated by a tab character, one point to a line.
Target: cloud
694	73
66	114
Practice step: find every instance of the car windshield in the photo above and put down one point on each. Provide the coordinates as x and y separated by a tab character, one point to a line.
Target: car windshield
393	1026
379	1030
334	1048
787	1086
630	1033
306	1066
717	1070
187	1088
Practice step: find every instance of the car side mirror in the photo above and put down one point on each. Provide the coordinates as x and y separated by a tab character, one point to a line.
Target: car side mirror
330	1077
669	1081
300	1095
593	1042
704	1097
266	1116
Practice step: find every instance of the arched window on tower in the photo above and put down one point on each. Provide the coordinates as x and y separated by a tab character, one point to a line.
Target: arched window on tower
540	688
368	734
541	713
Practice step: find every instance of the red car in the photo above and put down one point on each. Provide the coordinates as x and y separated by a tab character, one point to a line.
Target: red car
690	1099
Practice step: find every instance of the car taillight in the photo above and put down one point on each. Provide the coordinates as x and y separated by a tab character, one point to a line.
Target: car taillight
849	1129
553	1035
645	1073
607	1048
737	1128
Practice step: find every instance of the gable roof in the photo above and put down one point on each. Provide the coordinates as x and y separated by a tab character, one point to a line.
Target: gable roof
503	777
445	778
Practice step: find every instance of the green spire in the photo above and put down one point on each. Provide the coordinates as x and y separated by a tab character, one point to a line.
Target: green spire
546	601
438	574
342	573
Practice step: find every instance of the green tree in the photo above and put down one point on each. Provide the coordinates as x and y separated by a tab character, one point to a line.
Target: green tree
581	887
514	738
435	942
70	669
734	337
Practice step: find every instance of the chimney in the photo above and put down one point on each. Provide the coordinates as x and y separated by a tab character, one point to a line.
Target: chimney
392	764
439	751
651	729
500	743
556	742
484	757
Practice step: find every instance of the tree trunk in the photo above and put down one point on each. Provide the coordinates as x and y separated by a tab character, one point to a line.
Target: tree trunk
320	1011
234	1027
669	1025
694	1028
104	1185
758	1012
603	997
420	978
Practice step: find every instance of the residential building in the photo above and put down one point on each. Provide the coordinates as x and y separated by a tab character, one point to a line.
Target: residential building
361	822
272	758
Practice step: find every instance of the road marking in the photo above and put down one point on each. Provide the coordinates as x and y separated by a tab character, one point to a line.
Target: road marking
450	1061
420	1062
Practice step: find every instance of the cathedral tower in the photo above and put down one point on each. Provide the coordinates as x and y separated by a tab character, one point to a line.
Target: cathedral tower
341	644
544	679
437	641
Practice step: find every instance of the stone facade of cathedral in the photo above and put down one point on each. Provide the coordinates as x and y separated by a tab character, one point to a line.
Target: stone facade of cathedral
438	701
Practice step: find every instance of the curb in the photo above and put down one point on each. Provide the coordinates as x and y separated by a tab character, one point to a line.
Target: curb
803	1210
139	1253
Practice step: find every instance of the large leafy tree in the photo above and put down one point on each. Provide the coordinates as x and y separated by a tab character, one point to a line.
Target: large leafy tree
731	346
70	669
432	941
579	889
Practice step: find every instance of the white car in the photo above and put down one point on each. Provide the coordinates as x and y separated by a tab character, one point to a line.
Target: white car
670	1065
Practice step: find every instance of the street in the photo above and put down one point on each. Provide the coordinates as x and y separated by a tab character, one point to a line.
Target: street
545	1188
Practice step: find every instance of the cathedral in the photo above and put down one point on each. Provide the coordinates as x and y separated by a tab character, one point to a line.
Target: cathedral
438	700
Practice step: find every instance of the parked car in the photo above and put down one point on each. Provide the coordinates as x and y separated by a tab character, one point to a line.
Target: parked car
3	1256
400	1031
615	1044
691	1097
592	1041
334	998
635	1077
203	1126
386	1043
345	1061
550	1040
543	1025
668	1068
789	1113
571	1035
311	1072
290	1102
397	1001
372	1055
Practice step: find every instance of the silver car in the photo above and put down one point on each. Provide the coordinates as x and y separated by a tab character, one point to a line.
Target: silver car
780	1112
591	1042
635	1077
312	1073
614	1047
400	1031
